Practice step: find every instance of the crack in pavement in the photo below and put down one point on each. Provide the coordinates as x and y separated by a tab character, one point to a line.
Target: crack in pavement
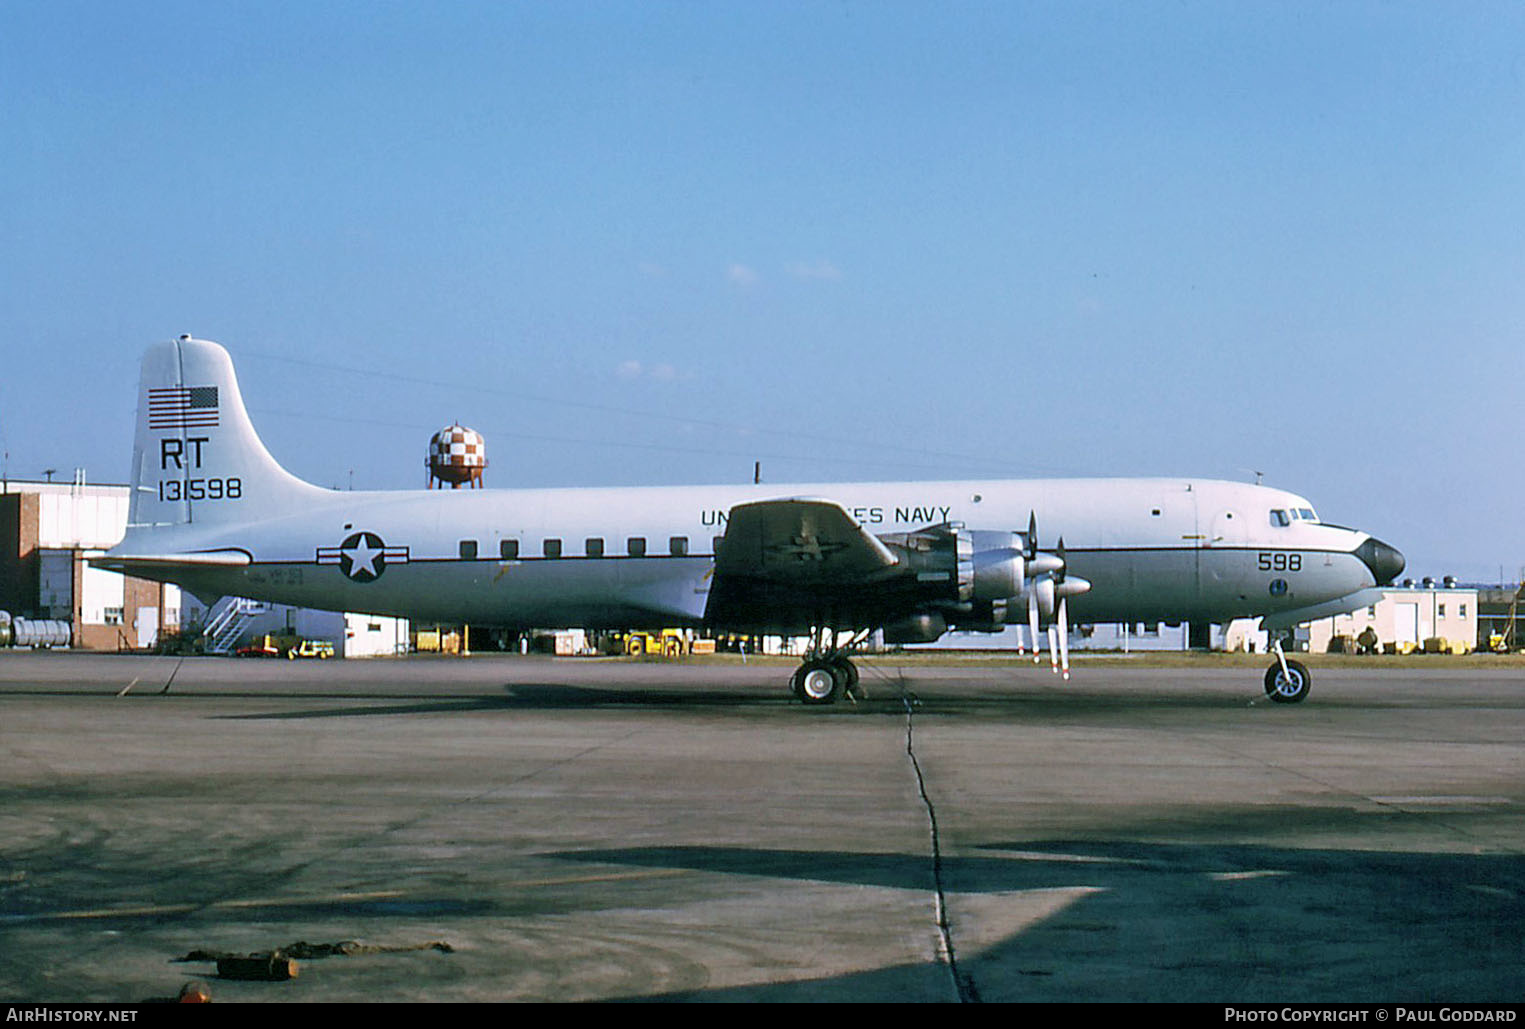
963	986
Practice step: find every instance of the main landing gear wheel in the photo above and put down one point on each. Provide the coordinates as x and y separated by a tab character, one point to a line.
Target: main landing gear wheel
822	680
847	672
818	682
1288	687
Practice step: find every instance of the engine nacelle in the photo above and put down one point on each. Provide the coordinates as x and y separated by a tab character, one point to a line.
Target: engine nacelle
925	628
998	574
988	617
960	567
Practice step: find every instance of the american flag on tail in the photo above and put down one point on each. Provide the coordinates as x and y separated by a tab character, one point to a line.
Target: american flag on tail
182	407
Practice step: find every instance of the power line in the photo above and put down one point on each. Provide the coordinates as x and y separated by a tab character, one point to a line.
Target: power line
878	446
620	444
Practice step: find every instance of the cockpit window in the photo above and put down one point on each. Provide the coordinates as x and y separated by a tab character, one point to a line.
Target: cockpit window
1279	518
1306	514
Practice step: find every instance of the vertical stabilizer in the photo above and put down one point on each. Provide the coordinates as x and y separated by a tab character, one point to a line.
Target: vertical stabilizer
196	459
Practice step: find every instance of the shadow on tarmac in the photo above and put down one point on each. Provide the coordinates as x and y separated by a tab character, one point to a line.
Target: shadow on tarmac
884	700
1182	922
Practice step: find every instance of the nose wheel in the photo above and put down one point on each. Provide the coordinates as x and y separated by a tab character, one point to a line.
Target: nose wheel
1287	681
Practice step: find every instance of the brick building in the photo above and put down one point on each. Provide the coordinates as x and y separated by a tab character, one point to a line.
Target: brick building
48	531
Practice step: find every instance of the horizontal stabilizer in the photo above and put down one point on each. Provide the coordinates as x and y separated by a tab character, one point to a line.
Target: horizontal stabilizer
151	562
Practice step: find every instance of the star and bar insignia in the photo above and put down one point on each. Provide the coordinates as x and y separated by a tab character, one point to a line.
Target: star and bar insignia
363	556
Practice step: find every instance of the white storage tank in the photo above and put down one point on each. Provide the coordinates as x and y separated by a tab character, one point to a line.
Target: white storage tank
40	632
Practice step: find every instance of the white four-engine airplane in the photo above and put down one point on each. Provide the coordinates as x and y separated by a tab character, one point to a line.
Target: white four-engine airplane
212	511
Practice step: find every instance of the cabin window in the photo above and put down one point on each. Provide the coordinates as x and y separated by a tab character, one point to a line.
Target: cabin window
468	550
635	546
1442	610
594	546
508	550
551	548
1279	518
1462	611
1155	513
677	546
716	544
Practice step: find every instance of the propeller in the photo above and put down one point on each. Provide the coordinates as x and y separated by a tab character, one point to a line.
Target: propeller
1066	586
1048	593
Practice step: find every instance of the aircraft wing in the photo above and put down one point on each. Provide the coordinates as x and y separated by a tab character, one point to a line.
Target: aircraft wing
1368	597
799	542
797	562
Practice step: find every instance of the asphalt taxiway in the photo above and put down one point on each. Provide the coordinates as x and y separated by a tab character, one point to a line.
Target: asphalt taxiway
585	829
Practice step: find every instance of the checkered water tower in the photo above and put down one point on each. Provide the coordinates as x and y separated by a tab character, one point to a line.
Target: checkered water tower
457	455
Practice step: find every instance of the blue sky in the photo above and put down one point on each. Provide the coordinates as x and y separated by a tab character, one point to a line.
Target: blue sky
650	243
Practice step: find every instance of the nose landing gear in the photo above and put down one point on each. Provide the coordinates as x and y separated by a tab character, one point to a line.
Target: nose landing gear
1287	681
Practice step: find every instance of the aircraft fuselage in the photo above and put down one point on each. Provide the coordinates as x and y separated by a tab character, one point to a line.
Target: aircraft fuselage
1153	549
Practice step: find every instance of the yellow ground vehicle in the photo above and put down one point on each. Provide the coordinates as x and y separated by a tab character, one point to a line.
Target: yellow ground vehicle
321	649
656	643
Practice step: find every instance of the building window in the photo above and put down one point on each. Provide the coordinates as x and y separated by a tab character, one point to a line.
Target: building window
508	550
635	546
594	546
677	546
468	550
551	548
113	615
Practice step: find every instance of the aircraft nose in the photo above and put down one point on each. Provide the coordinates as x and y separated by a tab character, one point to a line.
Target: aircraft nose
1385	562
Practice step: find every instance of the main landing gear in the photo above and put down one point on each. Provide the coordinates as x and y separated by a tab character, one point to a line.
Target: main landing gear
827	672
1287	681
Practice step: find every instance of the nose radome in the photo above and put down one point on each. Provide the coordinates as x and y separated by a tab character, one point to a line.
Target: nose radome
1385	562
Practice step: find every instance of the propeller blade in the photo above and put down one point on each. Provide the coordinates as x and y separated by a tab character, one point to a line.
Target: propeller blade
1064	635
1032	618
1044	589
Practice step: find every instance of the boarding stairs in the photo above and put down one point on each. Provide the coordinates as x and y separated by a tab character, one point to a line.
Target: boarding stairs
229	621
